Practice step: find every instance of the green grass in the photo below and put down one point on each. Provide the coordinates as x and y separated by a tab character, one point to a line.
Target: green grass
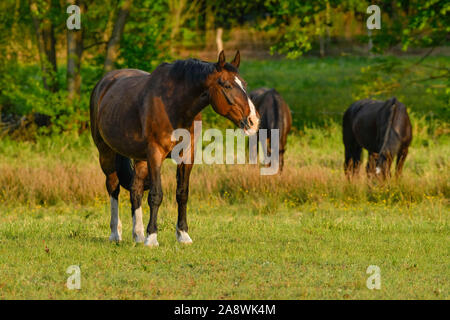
307	234
303	253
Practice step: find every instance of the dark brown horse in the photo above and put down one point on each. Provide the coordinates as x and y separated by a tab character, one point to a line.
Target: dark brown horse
381	127
274	114
133	116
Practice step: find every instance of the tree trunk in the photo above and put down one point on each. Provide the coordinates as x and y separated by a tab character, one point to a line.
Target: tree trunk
74	54
322	46
112	49
320	23
209	26
177	8
180	12
46	41
327	28
370	44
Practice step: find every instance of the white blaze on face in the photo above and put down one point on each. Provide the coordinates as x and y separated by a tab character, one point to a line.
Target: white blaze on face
252	114
236	79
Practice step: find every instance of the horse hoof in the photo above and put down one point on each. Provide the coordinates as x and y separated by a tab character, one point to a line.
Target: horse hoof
139	238
183	237
151	241
116	237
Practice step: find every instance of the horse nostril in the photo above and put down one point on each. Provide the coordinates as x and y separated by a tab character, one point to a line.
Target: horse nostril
250	121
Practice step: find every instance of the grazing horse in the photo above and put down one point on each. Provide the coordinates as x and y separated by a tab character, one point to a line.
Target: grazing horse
274	114
133	115
381	127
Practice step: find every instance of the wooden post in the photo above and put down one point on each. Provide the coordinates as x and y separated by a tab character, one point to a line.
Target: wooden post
219	41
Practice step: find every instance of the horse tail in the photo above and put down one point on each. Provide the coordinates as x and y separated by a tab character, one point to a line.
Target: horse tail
125	172
392	110
277	110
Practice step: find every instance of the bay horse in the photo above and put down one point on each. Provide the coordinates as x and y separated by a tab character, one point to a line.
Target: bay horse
133	114
381	127
274	114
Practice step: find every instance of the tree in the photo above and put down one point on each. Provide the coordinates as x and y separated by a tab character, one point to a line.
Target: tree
74	55
112	48
180	12
46	42
427	25
221	15
146	39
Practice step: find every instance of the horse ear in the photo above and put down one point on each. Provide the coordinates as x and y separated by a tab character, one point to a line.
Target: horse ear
237	60
393	100
221	61
389	102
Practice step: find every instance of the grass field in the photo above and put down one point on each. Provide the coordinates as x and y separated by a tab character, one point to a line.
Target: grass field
306	234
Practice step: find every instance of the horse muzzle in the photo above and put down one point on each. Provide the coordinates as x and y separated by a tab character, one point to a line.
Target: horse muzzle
249	125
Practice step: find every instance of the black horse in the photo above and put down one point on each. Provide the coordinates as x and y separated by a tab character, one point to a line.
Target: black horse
381	127
274	114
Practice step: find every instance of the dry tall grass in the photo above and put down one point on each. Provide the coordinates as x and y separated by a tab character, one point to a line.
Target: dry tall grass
311	175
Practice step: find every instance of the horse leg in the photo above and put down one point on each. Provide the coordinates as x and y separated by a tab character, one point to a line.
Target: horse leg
357	159
183	173
352	159
253	149
371	164
281	160
155	195
107	162
352	151
136	193
112	184
266	151
348	163
401	157
368	165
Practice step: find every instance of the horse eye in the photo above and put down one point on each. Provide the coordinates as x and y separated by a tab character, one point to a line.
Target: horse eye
225	84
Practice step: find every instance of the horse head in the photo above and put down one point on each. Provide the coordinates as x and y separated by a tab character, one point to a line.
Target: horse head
228	95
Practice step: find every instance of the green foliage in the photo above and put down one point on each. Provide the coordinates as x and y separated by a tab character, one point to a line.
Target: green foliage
317	90
419	23
409	81
145	40
23	94
429	24
231	13
298	23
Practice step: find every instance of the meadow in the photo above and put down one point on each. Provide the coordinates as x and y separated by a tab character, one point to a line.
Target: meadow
307	233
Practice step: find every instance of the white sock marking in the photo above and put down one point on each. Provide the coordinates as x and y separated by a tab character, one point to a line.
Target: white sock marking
183	237
151	240
115	224
138	226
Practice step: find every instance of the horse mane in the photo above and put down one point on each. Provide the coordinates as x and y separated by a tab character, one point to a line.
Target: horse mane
194	70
